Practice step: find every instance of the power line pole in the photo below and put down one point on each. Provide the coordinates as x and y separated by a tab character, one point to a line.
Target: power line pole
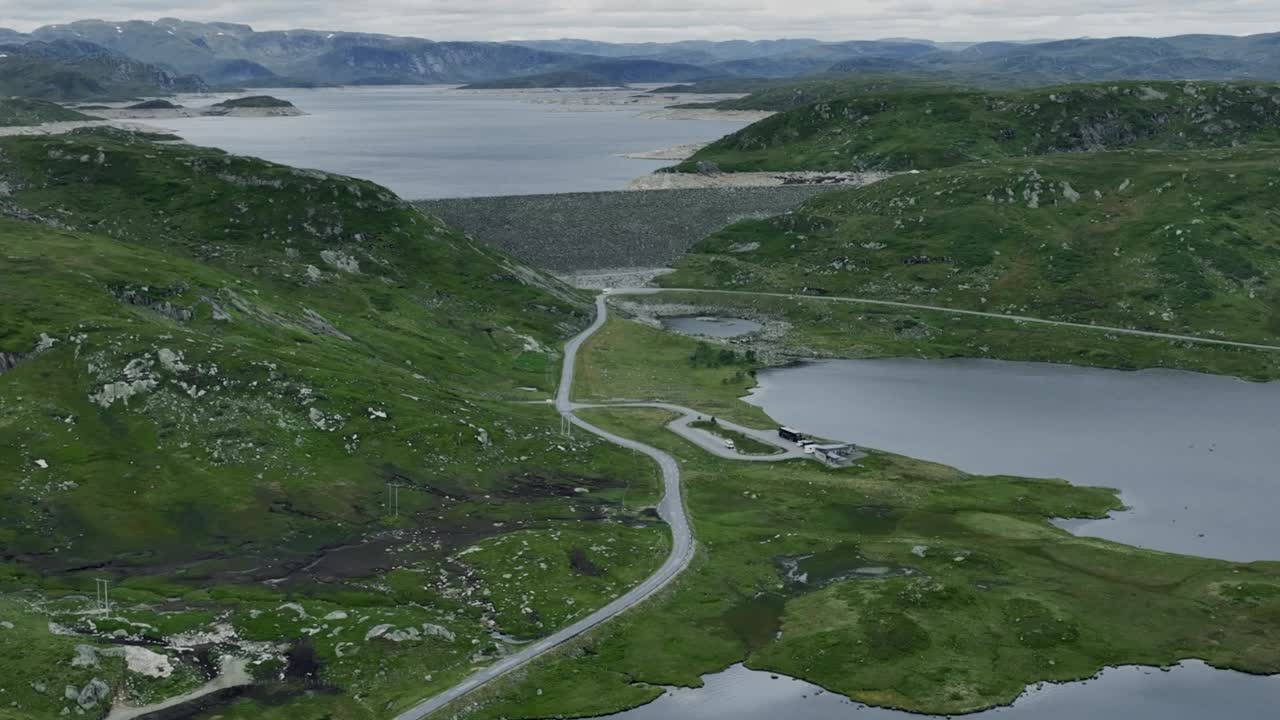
102	590
393	499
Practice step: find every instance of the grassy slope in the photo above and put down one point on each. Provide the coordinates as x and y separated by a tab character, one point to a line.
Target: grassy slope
789	94
623	367
1171	242
277	395
16	111
925	127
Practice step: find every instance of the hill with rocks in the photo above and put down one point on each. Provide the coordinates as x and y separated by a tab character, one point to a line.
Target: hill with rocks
1170	241
282	414
926	126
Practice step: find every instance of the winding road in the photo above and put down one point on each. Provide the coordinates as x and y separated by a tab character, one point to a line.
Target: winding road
670	509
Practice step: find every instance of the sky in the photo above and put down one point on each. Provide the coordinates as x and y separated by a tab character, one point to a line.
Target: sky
666	20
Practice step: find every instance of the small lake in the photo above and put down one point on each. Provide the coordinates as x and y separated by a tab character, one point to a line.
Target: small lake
716	327
1190	691
1194	456
437	142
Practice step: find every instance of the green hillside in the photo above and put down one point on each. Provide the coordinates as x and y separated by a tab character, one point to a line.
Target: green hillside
211	370
924	127
16	111
1172	242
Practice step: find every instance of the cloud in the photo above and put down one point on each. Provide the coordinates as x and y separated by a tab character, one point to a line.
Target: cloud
643	20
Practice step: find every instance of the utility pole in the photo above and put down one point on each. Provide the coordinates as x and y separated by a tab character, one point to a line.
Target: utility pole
102	590
393	499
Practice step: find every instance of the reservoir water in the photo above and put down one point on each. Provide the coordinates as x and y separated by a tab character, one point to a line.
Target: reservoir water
437	142
1193	455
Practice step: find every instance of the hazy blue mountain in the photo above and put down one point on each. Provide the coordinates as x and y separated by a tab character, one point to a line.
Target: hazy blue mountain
308	56
78	70
604	73
694	51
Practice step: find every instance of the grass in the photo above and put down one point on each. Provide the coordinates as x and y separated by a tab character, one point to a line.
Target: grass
998	599
626	360
224	365
913	125
1170	242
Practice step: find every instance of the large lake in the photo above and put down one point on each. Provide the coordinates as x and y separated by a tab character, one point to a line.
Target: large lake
436	142
1194	456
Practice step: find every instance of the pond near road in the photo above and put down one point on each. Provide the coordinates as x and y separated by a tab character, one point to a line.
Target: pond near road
1194	456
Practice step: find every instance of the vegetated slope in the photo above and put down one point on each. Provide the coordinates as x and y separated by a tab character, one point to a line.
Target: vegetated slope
211	369
29	111
932	128
76	70
782	95
601	74
1172	242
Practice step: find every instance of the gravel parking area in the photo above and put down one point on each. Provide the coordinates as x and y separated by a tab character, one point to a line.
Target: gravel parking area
575	232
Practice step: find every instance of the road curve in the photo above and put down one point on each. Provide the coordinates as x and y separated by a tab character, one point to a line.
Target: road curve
957	311
670	509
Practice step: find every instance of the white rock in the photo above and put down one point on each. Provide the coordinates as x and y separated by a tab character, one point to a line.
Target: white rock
42	464
147	662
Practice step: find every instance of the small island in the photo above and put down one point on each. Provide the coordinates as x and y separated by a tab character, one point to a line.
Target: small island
159	109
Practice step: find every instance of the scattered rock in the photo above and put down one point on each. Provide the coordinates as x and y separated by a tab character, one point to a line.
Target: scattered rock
93	693
340	261
86	656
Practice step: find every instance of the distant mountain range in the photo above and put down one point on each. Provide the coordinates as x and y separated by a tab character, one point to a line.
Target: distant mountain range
75	70
229	54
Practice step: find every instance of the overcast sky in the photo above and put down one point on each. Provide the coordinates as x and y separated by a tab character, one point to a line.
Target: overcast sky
639	20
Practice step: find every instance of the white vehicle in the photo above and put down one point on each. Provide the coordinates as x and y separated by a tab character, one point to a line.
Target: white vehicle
729	444
808	449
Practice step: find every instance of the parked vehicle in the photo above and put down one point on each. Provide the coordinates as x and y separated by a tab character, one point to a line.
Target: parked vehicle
787	433
729	444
